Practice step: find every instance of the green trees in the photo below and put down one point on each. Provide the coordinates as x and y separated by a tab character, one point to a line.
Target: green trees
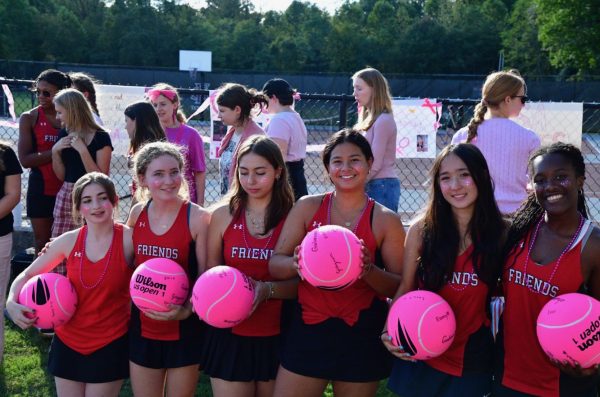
396	36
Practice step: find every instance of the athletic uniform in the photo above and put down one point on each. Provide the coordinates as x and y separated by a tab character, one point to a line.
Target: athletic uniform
466	367
92	346
522	366
335	335
165	344
43	183
249	351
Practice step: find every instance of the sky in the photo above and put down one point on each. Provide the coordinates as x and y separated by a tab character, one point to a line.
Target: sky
281	5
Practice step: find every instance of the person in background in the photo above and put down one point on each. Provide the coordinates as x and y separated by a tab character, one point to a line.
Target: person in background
38	132
84	83
235	103
288	131
376	119
167	104
83	147
10	195
503	96
143	126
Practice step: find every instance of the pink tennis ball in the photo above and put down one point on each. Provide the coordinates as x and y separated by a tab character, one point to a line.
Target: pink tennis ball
330	257
223	296
52	296
568	328
158	283
422	323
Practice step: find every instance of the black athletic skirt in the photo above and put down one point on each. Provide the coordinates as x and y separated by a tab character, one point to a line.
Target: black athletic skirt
334	350
238	358
107	364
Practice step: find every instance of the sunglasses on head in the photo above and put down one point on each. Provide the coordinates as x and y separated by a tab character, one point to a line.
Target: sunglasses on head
523	98
46	94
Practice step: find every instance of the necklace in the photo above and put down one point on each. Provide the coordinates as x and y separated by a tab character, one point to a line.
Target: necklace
246	239
564	251
347	224
463	271
258	224
81	262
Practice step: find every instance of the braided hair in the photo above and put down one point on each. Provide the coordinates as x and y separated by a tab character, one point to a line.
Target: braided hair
531	211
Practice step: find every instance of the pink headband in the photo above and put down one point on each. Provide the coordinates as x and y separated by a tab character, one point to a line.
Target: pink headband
154	93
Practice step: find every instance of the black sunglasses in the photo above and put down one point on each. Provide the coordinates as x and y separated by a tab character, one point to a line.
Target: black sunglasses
38	92
523	98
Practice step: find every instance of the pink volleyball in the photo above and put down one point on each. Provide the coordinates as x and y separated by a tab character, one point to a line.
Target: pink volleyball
422	323
158	283
330	257
52	296
568	328
223	296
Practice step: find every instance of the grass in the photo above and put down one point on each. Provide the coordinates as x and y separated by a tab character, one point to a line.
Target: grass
23	372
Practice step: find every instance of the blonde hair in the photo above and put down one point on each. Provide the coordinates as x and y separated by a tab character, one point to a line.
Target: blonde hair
180	115
79	116
88	179
149	153
496	88
381	99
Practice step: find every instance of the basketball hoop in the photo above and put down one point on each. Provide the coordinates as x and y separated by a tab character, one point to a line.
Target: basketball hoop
193	74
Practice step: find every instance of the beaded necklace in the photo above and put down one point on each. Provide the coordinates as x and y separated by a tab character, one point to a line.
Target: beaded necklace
244	227
463	287
564	251
81	262
348	224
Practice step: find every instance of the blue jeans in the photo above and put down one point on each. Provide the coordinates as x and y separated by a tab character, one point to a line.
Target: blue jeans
386	191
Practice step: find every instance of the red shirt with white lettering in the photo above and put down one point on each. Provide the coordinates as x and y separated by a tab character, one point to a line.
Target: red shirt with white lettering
42	179
103	301
175	244
251	256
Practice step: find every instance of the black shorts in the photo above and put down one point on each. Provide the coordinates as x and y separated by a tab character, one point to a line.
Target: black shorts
157	354
297	178
40	205
107	364
236	358
335	351
420	380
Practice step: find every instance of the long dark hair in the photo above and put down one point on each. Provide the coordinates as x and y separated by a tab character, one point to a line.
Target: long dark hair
441	237
147	125
282	197
531	211
347	135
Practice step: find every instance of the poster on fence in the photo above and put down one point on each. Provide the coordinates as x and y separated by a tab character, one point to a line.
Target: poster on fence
417	121
112	101
554	121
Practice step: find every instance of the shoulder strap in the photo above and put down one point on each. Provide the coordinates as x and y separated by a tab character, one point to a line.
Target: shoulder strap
587	235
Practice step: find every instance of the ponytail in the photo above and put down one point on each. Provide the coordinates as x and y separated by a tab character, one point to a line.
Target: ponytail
478	117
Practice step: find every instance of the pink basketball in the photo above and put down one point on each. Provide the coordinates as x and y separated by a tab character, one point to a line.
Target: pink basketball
330	257
52	296
223	296
568	328
157	283
422	323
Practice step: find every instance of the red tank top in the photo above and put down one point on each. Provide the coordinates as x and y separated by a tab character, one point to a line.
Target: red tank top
45	136
317	304
467	296
175	244
251	256
102	288
526	367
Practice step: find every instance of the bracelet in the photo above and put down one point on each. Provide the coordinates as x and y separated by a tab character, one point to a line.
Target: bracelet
271	290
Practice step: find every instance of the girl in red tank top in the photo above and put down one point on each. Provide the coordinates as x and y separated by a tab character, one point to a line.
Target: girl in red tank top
552	249
454	249
333	336
165	346
38	132
98	257
244	228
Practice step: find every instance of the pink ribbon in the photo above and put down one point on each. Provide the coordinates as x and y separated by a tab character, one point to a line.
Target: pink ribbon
433	107
11	101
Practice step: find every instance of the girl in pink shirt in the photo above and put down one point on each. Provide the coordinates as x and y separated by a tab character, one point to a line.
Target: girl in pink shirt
505	144
372	94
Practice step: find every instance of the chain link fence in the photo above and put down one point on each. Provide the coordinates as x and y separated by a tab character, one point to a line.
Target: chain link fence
323	115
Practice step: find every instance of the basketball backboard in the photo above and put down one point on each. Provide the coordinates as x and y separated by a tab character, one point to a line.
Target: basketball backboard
200	61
